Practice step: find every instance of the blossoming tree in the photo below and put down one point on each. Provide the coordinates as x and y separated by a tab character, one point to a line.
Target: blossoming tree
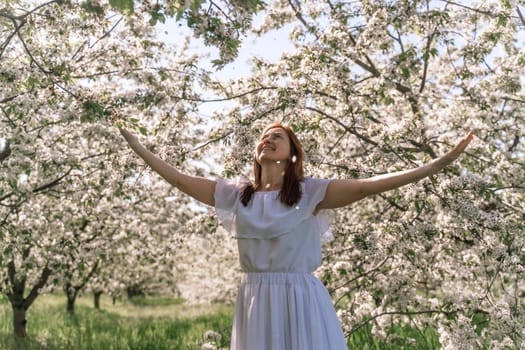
372	87
69	70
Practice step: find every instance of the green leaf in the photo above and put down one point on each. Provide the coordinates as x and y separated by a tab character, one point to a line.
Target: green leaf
156	16
502	20
93	111
411	156
179	13
124	6
143	130
405	72
8	250
196	4
90	7
217	63
233	44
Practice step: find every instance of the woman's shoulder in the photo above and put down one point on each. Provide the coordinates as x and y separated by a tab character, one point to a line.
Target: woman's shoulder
315	188
315	181
238	182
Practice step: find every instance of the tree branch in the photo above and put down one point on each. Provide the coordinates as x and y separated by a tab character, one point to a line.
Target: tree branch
520	15
52	183
33	294
223	99
403	313
346	128
426	59
515	143
373	269
106	34
10	98
202	145
10	36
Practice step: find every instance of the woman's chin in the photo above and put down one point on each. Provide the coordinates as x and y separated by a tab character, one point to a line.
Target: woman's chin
270	161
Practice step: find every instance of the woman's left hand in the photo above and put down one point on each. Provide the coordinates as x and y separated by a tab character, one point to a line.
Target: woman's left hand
460	147
131	138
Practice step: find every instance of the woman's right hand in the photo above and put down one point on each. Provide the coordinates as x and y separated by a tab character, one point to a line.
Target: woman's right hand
199	188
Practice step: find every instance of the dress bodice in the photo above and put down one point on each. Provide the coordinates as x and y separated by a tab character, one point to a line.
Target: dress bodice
271	236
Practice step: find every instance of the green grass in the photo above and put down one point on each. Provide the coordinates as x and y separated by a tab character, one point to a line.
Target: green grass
399	337
143	301
158	323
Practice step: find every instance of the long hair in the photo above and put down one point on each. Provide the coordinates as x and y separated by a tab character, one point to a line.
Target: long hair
293	175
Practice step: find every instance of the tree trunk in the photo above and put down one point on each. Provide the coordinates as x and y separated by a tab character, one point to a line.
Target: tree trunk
19	304
71	298
72	290
19	321
71	294
96	296
135	290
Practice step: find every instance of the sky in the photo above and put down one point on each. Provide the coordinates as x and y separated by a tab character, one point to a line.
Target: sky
269	46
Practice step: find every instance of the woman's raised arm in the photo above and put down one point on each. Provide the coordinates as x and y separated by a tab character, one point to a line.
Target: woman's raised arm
343	192
200	188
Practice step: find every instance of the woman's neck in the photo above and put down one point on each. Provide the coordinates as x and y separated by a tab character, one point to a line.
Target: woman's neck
272	176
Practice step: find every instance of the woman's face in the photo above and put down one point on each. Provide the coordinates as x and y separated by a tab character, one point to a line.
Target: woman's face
274	146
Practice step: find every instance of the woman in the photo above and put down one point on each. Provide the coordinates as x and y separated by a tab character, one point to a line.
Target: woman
279	224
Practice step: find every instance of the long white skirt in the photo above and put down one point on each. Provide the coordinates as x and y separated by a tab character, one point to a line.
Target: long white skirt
285	311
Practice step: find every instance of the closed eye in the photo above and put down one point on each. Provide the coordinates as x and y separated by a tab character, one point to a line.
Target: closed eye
273	136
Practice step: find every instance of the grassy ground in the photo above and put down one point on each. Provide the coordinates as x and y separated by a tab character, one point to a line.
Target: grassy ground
398	338
158	324
139	325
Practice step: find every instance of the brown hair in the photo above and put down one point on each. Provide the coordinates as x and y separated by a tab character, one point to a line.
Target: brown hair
293	175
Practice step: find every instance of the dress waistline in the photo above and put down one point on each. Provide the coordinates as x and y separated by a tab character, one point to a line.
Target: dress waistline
277	278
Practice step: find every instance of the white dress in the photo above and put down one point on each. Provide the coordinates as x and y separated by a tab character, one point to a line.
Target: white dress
280	305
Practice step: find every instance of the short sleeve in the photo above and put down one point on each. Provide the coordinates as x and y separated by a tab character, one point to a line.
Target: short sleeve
315	191
226	196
